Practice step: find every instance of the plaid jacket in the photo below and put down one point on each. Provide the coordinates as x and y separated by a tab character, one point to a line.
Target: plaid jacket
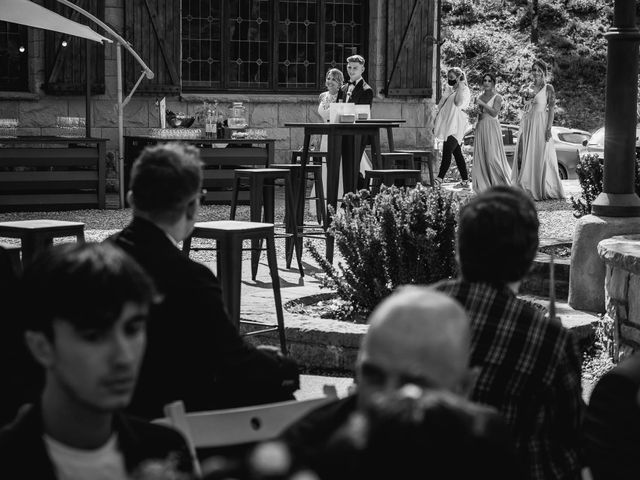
530	371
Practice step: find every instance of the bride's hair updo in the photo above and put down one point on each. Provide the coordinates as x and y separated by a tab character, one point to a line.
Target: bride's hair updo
336	75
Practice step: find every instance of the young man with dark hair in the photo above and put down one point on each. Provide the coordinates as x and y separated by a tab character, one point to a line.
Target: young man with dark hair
529	365
357	91
194	352
84	311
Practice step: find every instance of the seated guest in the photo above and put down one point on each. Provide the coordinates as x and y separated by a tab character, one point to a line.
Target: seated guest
84	308
8	274
21	376
194	352
612	423
416	335
529	365
416	433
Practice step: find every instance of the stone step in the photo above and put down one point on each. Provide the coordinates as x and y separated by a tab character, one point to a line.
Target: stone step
581	324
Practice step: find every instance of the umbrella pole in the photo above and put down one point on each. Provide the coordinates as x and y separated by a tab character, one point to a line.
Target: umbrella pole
88	95
120	123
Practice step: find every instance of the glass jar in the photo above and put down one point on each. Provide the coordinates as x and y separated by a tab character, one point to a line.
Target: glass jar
237	118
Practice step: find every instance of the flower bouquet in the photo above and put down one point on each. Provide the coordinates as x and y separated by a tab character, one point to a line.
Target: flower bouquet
473	111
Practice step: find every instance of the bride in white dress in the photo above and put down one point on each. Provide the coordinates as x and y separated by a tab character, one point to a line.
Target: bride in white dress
333	81
535	165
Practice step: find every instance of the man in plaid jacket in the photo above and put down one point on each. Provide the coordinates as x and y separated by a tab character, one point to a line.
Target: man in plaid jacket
528	365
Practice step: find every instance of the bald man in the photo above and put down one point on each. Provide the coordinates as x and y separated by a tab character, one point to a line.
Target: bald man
416	336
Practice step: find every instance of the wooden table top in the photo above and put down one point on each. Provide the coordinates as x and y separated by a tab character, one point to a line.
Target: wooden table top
44	224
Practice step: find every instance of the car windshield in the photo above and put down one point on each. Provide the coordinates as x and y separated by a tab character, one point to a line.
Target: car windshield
573	137
597	138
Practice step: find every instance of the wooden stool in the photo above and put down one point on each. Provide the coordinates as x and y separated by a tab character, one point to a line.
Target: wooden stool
389	177
36	235
13	252
396	160
261	207
422	156
229	236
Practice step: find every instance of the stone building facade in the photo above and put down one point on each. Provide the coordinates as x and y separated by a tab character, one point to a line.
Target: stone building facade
413	26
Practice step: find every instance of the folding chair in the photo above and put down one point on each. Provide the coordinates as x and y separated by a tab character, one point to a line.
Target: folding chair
237	426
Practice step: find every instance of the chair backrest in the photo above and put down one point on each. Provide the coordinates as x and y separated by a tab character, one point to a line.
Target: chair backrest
236	426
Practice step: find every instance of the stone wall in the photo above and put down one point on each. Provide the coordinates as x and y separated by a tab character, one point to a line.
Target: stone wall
621	255
37	111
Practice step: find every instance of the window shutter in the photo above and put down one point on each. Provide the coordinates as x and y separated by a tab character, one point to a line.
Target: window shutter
410	47
153	29
65	66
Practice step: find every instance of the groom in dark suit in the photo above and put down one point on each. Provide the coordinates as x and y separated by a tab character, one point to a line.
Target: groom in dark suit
357	91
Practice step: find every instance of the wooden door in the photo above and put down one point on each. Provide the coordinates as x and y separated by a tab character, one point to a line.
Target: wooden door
410	47
153	29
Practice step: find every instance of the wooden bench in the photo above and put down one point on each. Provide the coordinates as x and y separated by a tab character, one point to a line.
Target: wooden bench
47	173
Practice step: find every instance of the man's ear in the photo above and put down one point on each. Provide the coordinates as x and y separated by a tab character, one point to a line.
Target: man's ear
40	347
130	198
190	212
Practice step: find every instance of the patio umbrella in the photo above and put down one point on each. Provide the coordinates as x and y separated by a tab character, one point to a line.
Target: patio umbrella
25	12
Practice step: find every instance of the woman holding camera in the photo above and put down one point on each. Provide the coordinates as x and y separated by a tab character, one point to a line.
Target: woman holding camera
451	123
535	165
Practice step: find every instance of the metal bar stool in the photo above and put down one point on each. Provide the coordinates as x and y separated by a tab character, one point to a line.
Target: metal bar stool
389	177
36	235
395	160
13	252
229	235
261	182
307	230
421	157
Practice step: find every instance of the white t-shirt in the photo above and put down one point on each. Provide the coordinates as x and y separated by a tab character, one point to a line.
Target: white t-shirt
451	119
104	463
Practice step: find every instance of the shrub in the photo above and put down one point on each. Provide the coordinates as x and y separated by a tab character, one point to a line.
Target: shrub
400	236
590	174
589	170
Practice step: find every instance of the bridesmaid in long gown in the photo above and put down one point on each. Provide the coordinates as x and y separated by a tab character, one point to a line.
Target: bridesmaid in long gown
535	165
490	165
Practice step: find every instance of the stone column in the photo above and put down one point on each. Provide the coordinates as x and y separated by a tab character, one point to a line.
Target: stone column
621	255
618	197
616	211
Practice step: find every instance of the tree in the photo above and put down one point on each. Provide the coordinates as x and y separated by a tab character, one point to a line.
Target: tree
533	8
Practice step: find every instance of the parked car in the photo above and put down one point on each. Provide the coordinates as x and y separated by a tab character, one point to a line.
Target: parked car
596	143
568	143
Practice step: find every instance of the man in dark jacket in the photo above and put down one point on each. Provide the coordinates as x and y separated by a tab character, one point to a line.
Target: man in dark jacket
357	91
84	309
612	423
194	352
